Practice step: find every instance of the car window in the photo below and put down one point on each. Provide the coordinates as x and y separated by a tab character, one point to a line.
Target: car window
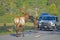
49	18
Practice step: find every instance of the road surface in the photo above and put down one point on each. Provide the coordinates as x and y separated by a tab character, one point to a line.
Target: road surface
30	35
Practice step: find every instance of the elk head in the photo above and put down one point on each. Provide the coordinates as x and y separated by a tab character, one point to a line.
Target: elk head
26	16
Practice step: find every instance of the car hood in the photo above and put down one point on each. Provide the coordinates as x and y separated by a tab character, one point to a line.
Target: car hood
46	21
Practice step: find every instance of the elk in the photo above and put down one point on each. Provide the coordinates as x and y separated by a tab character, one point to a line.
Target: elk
19	22
35	23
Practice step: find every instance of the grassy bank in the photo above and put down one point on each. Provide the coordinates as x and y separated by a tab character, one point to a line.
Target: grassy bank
3	28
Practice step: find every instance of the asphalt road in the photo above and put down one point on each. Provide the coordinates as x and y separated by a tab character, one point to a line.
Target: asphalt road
30	35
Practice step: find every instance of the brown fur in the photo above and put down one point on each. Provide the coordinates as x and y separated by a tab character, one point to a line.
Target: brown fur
19	25
35	23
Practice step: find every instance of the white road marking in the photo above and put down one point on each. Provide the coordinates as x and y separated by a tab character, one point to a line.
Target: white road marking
37	36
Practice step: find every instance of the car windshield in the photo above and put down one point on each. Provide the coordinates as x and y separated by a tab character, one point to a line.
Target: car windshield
49	18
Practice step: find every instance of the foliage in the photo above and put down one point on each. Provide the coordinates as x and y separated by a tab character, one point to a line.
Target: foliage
53	9
10	8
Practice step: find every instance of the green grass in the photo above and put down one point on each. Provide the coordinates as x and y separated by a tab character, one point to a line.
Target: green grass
8	19
5	33
3	29
30	4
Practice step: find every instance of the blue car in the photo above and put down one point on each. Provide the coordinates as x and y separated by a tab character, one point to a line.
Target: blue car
47	21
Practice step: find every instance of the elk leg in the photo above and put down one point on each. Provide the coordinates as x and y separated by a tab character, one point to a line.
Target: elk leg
35	28
17	30
23	31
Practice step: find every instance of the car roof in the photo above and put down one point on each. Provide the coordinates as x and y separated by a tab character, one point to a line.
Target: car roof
44	14
47	14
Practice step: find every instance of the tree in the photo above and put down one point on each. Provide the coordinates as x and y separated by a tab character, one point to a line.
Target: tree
53	9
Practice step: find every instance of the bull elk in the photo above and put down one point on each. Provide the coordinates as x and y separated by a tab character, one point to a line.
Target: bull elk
19	22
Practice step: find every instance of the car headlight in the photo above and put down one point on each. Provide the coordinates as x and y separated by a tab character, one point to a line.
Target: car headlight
39	23
52	24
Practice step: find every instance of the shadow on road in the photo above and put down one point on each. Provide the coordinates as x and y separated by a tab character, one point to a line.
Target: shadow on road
13	35
26	33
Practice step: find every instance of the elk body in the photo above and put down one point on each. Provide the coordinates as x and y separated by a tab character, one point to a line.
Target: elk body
19	22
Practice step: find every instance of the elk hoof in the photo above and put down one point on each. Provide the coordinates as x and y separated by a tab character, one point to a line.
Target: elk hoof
17	36
23	35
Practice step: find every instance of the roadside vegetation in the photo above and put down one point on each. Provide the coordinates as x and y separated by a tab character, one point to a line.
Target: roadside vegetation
11	8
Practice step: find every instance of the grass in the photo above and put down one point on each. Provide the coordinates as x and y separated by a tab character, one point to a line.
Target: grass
8	19
4	33
3	29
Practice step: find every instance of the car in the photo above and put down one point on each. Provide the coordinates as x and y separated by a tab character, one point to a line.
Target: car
47	21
